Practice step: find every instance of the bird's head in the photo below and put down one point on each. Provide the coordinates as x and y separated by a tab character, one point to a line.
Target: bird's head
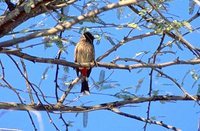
89	37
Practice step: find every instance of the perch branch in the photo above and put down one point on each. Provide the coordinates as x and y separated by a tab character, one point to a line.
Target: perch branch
75	109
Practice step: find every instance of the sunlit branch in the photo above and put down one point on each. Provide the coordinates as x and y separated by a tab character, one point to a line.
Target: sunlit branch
35	59
75	109
67	25
18	15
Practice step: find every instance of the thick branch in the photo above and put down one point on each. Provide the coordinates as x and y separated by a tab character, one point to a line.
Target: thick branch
70	109
18	15
100	64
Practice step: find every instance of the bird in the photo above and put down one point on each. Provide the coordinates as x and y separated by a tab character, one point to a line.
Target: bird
84	53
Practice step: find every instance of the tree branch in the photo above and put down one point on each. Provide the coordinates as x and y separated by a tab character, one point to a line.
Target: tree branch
145	120
75	109
100	64
62	98
67	25
18	15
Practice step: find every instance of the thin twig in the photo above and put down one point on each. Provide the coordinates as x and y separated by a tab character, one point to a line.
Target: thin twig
154	57
160	123
34	59
27	83
176	83
65	94
15	91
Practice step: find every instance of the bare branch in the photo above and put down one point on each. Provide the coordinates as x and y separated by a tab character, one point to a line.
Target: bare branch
75	109
18	15
101	64
62	98
145	120
176	83
27	82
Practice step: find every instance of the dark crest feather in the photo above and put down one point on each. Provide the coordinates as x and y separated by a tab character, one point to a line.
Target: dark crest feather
89	36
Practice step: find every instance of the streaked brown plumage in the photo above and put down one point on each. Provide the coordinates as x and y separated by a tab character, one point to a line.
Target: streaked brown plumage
84	53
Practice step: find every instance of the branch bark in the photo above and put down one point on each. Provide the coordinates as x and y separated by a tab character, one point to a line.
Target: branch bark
34	59
107	106
18	15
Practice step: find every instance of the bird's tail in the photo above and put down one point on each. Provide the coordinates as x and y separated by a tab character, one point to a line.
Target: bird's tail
84	87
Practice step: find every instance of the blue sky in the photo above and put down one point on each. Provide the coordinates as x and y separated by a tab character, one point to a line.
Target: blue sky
184	115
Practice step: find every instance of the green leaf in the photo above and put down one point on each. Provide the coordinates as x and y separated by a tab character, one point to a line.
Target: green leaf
162	102
109	39
28	6
66	10
85	119
123	96
140	53
176	24
125	93
108	86
120	96
120	12
139	84
47	45
191	6
134	26
198	90
44	74
70	123
101	77
187	25
49	40
155	92
65	69
153	118
24	30
98	38
67	83
142	12
98	20
194	75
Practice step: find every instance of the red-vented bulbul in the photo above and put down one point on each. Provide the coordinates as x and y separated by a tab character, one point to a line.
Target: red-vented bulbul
84	53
